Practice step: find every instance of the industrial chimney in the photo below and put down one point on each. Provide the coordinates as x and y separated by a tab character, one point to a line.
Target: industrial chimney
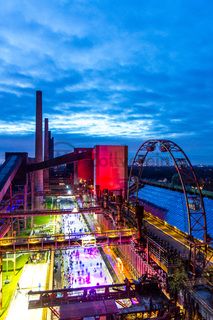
38	152
46	154
38	141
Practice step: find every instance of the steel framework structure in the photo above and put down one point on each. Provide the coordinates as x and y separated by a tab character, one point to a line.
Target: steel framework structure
197	224
64	241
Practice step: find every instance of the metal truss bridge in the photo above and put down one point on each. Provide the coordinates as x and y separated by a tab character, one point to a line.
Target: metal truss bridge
45	212
133	297
64	241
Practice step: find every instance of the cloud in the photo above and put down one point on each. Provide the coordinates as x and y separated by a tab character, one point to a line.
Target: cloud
22	128
108	69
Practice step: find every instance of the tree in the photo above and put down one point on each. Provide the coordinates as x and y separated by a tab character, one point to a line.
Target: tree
175	180
177	280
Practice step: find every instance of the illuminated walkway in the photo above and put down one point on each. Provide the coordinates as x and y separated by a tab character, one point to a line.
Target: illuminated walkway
82	266
87	268
33	278
85	265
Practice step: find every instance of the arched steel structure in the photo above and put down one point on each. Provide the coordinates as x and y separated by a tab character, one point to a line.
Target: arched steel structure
196	214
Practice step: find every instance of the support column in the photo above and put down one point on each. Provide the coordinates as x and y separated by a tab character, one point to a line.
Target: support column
18	226
25	201
11	229
1	284
119	201
139	213
14	263
147	250
25	193
11	196
32	196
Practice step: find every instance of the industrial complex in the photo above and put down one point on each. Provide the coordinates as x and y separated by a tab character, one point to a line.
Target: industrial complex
79	241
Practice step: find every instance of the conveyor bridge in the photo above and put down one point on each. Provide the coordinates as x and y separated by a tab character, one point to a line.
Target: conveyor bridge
64	241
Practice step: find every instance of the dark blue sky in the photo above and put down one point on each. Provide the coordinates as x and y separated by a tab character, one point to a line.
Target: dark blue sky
111	71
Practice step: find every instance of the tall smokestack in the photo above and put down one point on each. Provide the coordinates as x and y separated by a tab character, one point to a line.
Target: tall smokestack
46	153
46	139
49	138
38	142
52	147
39	152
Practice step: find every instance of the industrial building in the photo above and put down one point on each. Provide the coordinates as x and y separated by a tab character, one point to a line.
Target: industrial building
104	252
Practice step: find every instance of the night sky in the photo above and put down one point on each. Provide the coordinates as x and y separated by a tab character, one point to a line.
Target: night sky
111	71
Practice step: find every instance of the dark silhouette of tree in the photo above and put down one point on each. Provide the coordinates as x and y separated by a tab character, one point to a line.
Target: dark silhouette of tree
177	280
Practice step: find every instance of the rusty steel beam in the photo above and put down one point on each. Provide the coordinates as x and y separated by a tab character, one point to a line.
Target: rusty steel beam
50	298
67	158
8	171
30	213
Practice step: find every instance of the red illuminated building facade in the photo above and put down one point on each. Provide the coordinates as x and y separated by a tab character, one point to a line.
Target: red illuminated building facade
107	168
84	169
110	168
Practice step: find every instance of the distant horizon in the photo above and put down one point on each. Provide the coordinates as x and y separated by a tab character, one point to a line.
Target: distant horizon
63	146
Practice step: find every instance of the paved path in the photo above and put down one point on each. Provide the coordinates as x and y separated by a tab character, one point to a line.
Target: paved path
33	278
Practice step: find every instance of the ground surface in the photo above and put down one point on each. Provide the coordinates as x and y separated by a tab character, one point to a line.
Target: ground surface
33	278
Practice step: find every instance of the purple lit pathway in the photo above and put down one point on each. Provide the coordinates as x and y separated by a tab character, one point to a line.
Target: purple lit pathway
85	267
82	266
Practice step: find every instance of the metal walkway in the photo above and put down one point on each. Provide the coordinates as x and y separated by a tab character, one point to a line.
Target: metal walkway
64	241
101	300
29	213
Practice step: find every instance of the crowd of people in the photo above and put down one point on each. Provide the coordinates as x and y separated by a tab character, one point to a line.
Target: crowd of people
82	266
73	224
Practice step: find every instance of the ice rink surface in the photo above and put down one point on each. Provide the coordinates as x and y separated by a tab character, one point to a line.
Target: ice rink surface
83	266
